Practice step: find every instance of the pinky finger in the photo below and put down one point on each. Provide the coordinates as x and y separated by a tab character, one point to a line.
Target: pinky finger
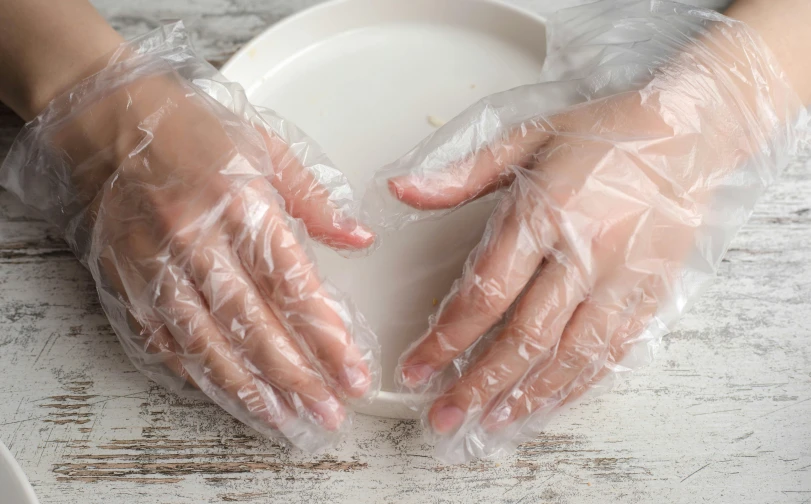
157	351
623	342
553	386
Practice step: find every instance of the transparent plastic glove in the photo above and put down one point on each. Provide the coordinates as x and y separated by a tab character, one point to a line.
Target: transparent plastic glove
628	171
178	195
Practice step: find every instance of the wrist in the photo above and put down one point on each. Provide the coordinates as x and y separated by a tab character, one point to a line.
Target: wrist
48	48
44	85
105	129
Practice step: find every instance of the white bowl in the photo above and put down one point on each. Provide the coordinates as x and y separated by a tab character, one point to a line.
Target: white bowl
14	486
362	77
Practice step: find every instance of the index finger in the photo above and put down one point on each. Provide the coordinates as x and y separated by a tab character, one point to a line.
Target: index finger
517	238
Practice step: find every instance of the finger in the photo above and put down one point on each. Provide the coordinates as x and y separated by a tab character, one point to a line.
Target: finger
622	343
155	345
160	343
476	175
149	339
207	354
517	238
256	334
306	198
574	395
583	352
275	259
533	330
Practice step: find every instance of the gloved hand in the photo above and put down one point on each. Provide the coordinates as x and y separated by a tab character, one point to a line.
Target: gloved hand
628	172
180	198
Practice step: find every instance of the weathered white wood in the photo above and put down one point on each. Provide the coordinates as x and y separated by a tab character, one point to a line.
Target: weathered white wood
722	415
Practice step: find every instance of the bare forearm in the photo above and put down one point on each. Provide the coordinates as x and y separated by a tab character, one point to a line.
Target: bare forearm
47	47
784	26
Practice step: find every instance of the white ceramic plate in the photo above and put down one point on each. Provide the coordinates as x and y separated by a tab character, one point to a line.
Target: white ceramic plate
14	487
362	77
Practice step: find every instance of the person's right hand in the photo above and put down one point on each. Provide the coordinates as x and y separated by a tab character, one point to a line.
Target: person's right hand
182	210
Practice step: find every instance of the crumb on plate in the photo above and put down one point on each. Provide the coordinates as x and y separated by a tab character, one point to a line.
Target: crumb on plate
435	121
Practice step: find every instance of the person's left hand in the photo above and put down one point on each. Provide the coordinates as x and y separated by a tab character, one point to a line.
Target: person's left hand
590	240
617	213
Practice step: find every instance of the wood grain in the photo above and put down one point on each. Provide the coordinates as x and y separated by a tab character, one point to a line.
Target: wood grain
721	416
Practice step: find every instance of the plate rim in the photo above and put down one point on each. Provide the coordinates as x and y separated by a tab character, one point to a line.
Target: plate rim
16	470
332	4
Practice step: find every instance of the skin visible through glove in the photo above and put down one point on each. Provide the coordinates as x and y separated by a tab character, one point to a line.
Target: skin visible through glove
200	295
589	290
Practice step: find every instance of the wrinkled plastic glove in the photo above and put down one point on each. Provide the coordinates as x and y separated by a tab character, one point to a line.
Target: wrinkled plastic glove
183	200
628	170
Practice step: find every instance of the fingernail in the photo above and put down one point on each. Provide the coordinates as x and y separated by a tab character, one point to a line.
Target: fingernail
417	375
329	413
395	189
358	234
447	419
363	234
355	380
399	185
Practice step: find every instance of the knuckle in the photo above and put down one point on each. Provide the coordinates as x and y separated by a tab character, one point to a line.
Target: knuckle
534	338
196	344
299	380
487	298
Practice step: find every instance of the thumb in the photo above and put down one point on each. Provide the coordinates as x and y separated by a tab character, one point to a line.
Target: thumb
476	175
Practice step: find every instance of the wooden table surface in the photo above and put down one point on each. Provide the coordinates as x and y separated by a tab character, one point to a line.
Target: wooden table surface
724	414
